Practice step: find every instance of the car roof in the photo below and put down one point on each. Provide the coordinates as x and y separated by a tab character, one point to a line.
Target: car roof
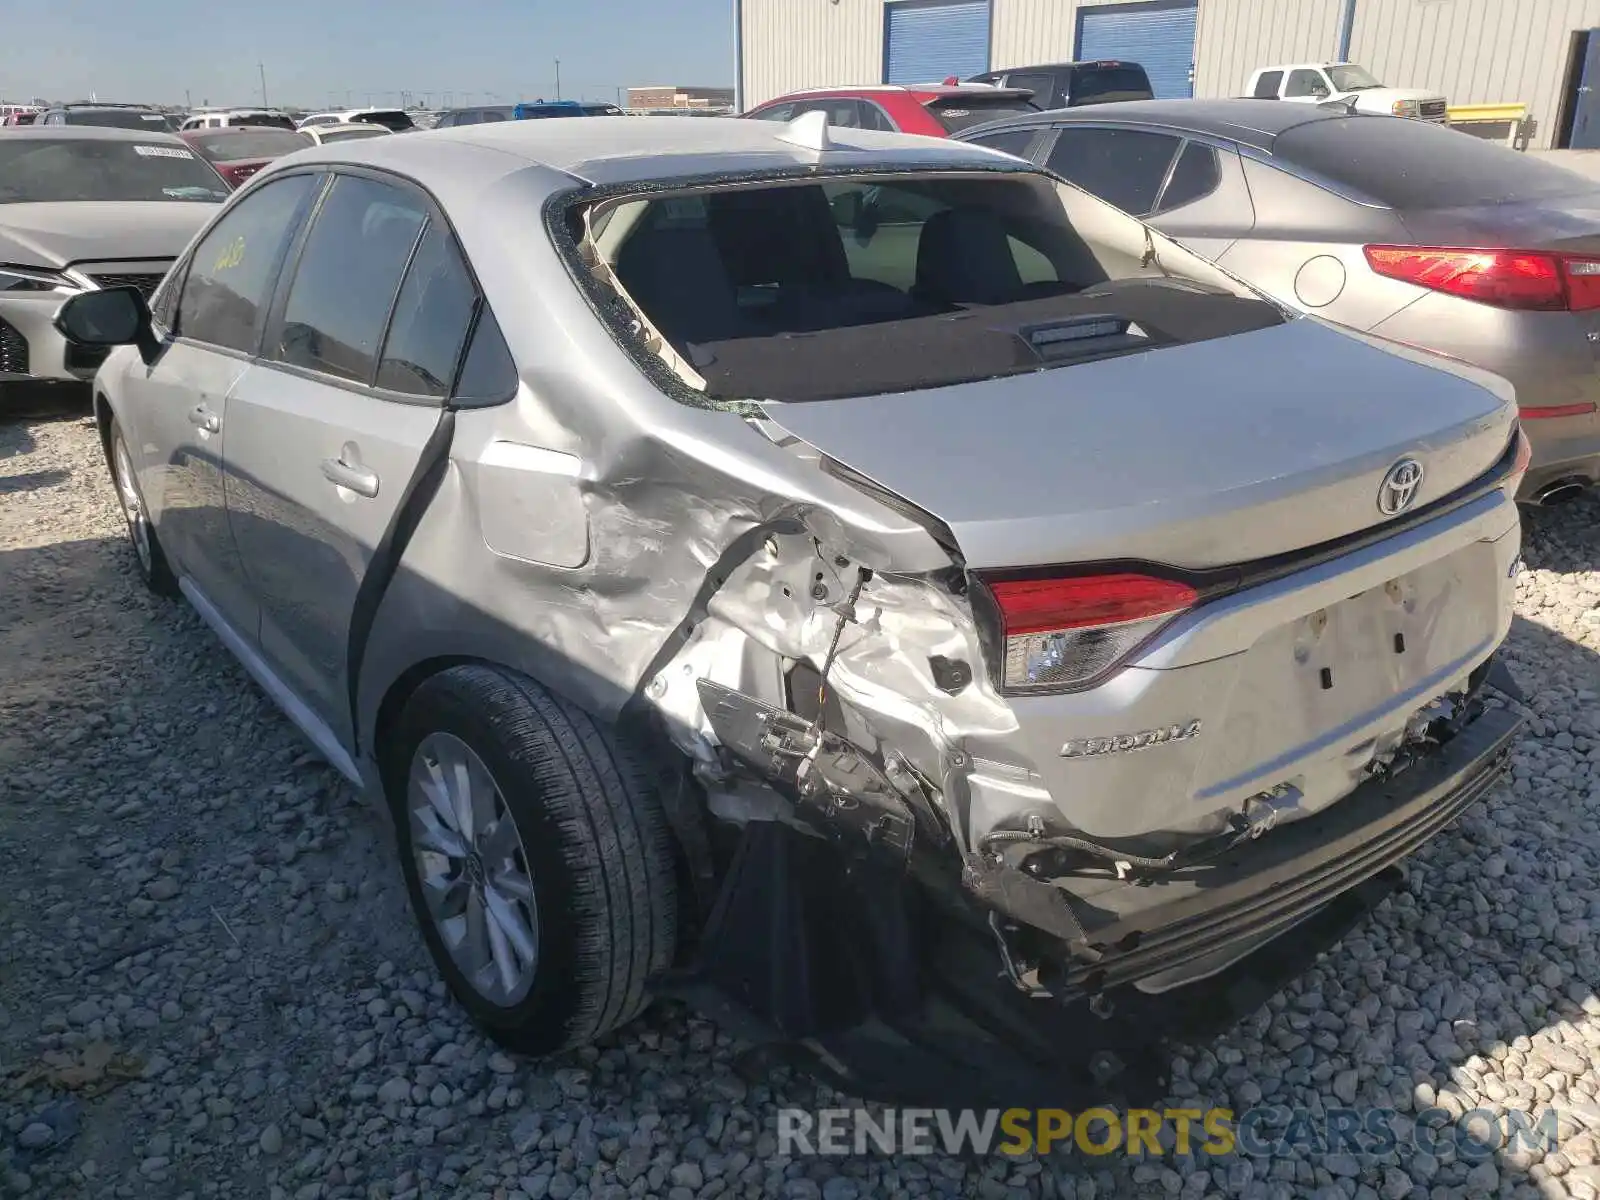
602	150
92	133
1256	123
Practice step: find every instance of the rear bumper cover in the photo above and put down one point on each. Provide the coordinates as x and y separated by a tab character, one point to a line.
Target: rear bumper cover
1193	918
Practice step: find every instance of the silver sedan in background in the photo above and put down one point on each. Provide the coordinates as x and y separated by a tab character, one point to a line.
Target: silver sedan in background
1407	230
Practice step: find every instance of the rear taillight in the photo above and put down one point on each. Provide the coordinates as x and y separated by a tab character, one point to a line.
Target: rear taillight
1521	279
1065	633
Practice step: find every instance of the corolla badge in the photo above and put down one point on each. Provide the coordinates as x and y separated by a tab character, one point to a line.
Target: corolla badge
1118	743
1399	487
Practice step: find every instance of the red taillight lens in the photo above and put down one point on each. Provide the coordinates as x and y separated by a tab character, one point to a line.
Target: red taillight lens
1519	279
1062	633
1549	412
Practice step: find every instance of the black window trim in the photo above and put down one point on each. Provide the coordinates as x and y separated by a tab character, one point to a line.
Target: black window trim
180	270
1172	169
433	213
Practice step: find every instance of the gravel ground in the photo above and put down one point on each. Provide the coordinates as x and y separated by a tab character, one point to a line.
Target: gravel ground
210	984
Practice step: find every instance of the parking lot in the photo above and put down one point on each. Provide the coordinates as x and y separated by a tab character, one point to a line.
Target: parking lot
210	985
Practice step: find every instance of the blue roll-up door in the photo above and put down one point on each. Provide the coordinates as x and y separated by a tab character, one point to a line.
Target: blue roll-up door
926	41
1158	35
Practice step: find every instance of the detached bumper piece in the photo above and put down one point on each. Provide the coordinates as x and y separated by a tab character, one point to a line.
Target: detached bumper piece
1263	888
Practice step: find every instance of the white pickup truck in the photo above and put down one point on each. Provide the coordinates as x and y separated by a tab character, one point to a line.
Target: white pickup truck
1320	83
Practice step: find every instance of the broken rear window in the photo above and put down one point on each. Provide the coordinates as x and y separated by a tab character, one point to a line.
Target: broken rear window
856	286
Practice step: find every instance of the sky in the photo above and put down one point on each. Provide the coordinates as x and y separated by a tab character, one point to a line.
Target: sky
316	52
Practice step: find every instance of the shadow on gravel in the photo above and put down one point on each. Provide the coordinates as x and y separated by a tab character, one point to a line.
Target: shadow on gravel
35	479
1506	904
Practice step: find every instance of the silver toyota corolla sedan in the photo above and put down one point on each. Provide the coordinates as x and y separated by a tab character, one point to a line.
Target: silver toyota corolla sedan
81	208
1405	229
848	569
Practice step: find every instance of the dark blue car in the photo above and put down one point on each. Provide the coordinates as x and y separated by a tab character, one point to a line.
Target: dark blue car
534	109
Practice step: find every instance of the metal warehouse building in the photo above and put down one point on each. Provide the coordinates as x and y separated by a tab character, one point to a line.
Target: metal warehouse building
1535	52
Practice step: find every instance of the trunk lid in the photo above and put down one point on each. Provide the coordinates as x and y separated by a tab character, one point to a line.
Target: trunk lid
1568	223
1210	454
1562	224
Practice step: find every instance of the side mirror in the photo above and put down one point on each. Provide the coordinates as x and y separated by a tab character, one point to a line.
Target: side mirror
847	209
115	316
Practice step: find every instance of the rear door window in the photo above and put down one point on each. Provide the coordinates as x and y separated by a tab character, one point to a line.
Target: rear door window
1124	167
873	117
1195	176
348	274
1416	164
1267	84
233	269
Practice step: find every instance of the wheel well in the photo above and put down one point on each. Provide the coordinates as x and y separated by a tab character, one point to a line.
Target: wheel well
401	690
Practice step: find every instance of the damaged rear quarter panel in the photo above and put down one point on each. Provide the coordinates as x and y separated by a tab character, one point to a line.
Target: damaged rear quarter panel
653	555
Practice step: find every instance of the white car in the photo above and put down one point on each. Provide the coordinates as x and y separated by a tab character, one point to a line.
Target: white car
1322	83
228	118
341	132
393	119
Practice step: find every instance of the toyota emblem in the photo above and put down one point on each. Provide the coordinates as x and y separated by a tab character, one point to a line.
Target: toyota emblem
1399	487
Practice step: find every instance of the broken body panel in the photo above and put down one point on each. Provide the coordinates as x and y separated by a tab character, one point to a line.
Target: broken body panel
796	594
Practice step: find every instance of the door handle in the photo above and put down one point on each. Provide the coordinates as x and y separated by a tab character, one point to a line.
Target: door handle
202	417
363	481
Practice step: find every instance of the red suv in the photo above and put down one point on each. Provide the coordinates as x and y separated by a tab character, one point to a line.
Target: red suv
934	110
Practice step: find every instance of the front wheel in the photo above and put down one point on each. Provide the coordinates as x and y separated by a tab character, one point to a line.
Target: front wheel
536	855
147	553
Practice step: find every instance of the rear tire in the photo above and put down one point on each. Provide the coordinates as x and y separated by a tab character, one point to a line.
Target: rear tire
548	931
147	553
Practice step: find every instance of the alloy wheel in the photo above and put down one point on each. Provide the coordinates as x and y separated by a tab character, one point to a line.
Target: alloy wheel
476	883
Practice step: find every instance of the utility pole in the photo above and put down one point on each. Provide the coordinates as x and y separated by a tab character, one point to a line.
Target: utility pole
187	103
263	69
619	97
558	79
